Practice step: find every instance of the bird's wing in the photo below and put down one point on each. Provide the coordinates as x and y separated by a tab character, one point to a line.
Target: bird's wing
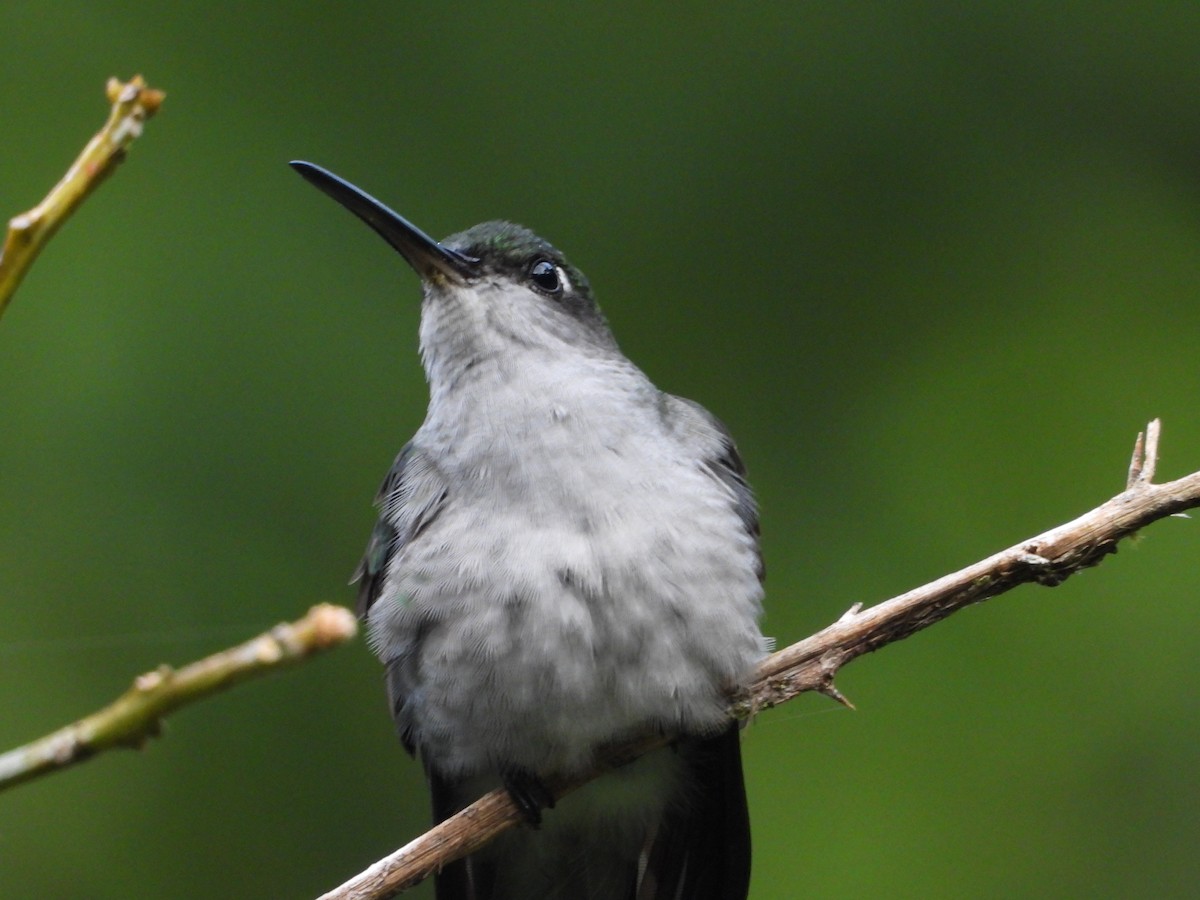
411	496
702	851
720	458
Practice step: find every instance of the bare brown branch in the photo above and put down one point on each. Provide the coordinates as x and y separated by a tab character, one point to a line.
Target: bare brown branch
137	715
810	665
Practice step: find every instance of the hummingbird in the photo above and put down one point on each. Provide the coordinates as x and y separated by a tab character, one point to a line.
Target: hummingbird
566	557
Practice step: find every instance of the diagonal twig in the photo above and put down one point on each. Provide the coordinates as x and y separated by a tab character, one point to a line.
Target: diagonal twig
136	716
132	104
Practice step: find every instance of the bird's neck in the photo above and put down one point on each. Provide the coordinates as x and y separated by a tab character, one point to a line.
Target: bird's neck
531	419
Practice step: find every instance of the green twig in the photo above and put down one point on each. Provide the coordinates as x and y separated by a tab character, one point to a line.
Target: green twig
137	714
132	105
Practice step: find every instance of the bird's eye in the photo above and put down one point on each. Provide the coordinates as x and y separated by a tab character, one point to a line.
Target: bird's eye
544	274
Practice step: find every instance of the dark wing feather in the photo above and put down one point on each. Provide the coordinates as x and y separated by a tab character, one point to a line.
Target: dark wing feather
410	497
372	569
720	459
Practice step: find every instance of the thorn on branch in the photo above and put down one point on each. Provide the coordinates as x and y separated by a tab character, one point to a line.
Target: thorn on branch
850	613
1145	456
831	691
830	663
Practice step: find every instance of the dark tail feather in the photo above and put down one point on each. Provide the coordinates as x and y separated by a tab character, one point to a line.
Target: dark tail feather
699	851
702	847
463	879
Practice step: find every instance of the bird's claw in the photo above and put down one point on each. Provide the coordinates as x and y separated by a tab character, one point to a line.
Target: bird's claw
530	794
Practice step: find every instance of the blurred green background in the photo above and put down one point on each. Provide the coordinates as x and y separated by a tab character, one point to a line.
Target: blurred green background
934	263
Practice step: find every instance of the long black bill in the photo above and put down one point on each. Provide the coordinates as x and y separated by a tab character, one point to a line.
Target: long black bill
429	258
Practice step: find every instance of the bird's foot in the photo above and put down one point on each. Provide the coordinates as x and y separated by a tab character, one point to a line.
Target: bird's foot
530	794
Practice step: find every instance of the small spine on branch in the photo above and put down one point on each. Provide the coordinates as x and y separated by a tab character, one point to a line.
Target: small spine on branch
1145	455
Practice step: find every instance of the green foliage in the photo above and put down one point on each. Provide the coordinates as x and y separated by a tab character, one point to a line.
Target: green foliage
935	265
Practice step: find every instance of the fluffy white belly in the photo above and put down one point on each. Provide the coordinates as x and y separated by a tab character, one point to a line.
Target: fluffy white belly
545	629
